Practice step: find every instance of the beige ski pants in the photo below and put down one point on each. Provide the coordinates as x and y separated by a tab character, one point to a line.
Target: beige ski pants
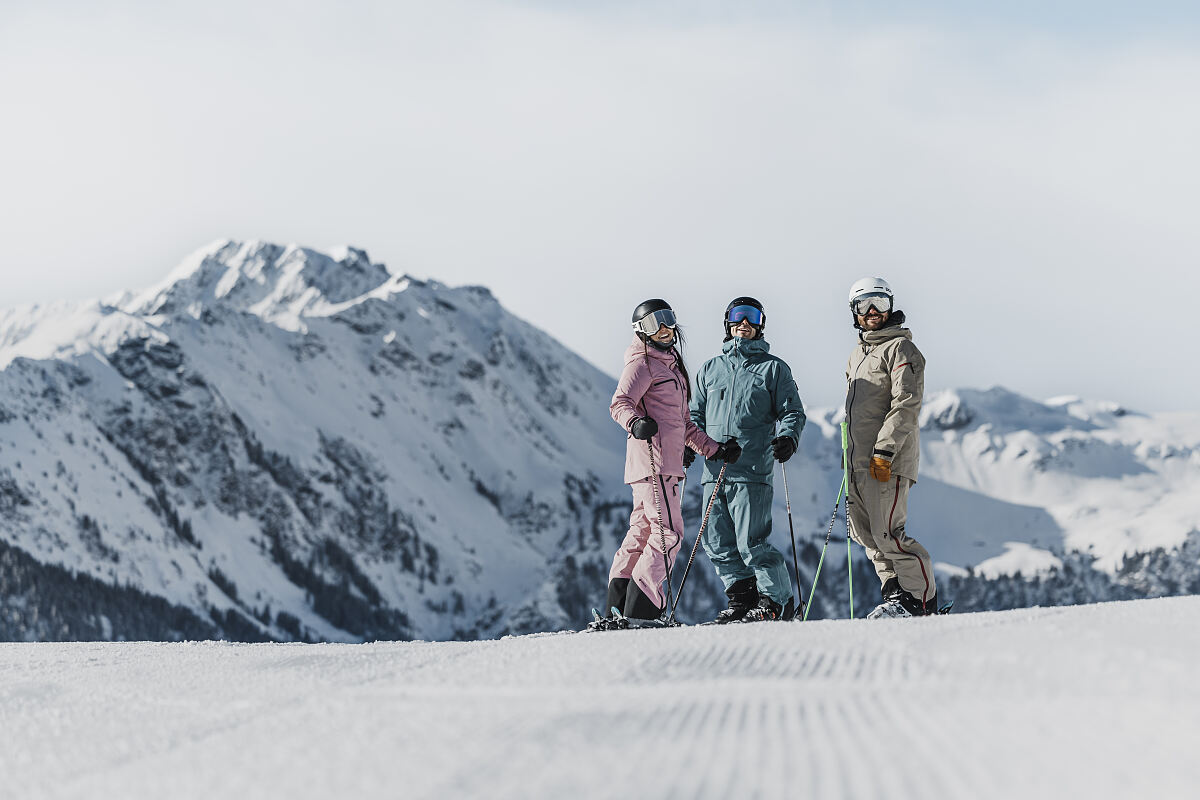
877	514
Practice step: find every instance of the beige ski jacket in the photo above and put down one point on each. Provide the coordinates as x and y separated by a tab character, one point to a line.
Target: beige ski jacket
885	382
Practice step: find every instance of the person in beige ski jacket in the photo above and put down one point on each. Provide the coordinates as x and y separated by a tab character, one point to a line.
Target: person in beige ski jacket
885	382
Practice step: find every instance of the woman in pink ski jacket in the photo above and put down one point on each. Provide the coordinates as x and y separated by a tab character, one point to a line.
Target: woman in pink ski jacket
651	403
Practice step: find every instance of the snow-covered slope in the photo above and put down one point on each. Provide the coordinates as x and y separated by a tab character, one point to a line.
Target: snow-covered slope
1108	481
1096	701
276	442
297	444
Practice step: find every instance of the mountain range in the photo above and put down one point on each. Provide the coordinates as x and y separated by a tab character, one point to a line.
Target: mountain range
277	443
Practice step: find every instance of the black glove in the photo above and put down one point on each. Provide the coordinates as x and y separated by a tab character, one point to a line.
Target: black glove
643	428
784	447
689	456
729	452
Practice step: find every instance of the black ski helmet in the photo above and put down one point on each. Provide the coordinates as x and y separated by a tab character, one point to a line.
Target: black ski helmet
646	309
744	301
649	307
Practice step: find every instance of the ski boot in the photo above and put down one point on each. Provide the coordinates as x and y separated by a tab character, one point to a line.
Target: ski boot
616	621
768	609
743	596
613	622
617	589
598	622
899	603
636	605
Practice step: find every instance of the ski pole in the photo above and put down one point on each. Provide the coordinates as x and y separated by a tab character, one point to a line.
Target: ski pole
846	483
829	532
662	533
696	544
791	527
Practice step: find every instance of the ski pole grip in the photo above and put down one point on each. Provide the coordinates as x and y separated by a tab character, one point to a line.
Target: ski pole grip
845	454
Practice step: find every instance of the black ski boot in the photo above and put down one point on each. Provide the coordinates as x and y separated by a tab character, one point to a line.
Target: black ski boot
768	609
637	605
617	589
899	603
743	596
789	610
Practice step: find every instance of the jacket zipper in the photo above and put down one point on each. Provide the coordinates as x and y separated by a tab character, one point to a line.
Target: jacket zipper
849	404
732	383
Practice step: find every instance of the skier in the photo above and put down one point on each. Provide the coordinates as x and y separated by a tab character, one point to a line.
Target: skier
885	379
651	405
744	393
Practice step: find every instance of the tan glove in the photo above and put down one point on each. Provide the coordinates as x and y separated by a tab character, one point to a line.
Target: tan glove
881	469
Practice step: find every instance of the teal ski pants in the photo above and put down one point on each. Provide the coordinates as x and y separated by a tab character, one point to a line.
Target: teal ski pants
736	539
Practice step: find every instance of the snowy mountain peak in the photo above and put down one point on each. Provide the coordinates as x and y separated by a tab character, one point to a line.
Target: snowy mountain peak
285	443
278	283
1005	410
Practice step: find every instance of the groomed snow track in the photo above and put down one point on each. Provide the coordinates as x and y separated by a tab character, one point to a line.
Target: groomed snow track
1091	701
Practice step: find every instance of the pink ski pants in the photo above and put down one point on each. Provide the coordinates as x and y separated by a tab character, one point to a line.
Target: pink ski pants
640	556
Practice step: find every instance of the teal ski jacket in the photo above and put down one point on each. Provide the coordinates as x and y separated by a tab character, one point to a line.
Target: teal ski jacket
744	393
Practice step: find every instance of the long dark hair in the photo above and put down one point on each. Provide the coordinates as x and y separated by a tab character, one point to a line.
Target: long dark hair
677	349
687	381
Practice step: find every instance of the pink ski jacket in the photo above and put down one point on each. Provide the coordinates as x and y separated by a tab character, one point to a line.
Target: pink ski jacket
651	385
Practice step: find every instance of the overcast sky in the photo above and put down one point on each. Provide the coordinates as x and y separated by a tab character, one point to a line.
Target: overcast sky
1028	182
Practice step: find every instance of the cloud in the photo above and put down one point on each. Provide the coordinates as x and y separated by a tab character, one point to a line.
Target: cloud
1029	194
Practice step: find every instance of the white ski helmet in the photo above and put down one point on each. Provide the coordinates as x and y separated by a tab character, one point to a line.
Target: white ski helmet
870	286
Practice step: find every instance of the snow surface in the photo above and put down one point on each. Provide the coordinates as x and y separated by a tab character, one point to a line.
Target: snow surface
1090	701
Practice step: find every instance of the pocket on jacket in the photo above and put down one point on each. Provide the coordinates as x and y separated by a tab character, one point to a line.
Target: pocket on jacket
716	407
755	403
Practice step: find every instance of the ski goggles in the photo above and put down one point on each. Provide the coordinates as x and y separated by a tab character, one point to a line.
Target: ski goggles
863	303
749	313
650	323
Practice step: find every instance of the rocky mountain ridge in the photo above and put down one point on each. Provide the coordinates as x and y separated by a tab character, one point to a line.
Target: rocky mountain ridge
279	443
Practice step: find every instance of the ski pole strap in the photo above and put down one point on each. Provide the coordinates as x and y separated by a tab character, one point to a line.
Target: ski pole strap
696	544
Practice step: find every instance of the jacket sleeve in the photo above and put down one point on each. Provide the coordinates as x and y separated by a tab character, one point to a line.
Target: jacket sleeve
907	370
634	381
788	410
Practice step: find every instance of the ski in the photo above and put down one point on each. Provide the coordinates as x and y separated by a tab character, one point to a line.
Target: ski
619	622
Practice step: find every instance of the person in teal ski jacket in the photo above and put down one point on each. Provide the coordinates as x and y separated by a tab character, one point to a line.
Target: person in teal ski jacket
747	394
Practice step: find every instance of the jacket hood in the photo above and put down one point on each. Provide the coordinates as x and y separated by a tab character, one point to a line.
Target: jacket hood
738	349
885	334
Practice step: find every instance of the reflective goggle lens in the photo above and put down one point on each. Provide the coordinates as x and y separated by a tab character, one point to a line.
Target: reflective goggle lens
862	304
749	313
650	323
